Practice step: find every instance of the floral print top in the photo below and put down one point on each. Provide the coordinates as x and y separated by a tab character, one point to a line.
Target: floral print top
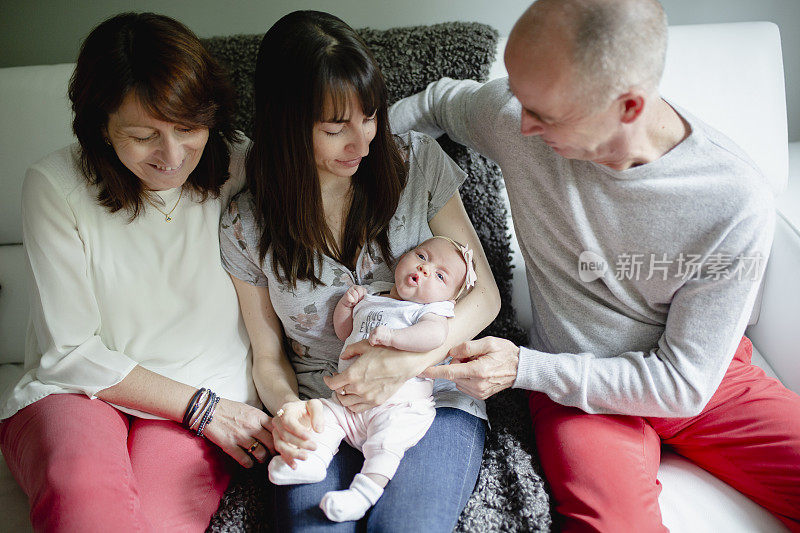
306	313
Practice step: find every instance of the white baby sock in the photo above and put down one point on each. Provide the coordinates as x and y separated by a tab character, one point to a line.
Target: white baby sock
353	503
310	470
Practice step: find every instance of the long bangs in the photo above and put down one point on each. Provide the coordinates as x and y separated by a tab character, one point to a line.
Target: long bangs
343	77
327	68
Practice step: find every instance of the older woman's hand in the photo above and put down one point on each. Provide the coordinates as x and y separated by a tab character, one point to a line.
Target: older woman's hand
291	427
375	376
240	429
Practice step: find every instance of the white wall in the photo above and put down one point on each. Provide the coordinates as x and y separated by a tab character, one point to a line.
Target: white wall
49	31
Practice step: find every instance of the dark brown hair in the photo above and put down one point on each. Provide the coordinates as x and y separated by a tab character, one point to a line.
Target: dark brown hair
174	79
304	59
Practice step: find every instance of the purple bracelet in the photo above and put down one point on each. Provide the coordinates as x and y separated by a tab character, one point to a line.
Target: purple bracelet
191	408
209	413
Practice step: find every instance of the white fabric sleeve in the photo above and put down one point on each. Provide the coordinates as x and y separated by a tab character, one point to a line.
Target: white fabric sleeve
64	311
445	309
706	320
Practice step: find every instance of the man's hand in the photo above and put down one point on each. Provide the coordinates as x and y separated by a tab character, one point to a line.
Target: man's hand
480	368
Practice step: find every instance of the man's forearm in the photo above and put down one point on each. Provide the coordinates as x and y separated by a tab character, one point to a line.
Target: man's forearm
442	107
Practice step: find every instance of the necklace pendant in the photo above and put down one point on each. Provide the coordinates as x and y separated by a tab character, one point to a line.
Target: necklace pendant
167	216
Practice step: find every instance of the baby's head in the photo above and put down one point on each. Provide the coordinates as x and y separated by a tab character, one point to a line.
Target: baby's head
439	269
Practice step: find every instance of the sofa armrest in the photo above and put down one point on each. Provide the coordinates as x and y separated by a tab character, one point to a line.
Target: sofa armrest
776	334
788	202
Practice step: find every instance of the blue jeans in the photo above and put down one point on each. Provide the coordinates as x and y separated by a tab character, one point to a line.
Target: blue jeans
430	489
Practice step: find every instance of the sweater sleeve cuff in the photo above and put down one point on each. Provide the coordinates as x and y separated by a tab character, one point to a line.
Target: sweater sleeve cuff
530	369
561	376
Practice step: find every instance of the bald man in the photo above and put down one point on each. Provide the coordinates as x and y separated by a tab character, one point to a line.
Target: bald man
645	234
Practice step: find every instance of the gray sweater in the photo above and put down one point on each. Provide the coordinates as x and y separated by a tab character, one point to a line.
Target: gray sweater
642	281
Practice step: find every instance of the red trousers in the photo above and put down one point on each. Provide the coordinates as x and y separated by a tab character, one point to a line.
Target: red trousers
602	468
87	467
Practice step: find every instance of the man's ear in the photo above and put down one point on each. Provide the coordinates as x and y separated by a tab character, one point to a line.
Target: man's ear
631	106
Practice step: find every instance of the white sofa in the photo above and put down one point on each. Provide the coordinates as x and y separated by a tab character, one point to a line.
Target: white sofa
731	75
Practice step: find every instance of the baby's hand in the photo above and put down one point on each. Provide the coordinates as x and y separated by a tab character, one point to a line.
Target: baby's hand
354	295
380	336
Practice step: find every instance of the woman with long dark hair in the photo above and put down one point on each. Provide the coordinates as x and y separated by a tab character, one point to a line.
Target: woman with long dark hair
334	199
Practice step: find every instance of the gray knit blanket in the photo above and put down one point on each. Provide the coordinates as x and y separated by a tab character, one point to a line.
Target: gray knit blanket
510	494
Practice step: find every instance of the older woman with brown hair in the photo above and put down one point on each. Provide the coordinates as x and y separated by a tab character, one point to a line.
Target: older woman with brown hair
136	346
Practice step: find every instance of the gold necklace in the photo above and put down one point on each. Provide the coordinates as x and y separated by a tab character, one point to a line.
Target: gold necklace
167	217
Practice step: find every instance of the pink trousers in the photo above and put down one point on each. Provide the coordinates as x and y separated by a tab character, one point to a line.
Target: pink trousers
86	467
602	469
383	434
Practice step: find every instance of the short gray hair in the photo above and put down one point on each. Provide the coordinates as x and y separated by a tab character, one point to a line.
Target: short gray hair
617	44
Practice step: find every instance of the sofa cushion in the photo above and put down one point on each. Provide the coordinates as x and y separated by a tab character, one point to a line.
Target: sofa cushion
13	501
37	120
13	303
731	76
776	333
715	506
410	58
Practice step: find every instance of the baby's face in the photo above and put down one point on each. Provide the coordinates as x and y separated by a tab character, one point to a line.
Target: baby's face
432	272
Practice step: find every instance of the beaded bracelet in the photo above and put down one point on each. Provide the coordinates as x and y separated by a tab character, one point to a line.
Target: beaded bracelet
202	403
200	410
191	408
209	414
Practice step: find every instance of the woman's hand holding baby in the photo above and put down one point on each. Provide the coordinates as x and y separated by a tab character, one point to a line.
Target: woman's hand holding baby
377	374
236	426
291	426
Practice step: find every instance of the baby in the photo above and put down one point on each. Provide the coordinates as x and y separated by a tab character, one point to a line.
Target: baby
413	317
